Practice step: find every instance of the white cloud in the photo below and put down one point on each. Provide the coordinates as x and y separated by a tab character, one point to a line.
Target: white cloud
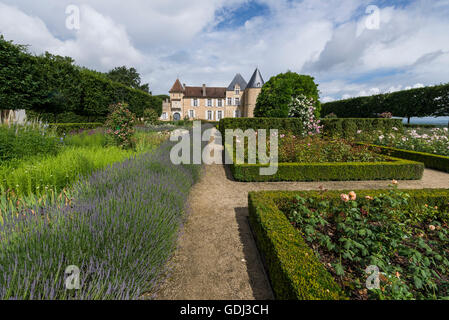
167	38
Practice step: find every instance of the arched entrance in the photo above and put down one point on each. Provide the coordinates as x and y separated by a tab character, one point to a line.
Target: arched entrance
176	116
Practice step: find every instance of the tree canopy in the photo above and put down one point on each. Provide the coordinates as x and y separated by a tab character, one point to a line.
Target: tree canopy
277	94
129	77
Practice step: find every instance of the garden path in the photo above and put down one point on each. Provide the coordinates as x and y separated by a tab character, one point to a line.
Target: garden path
217	258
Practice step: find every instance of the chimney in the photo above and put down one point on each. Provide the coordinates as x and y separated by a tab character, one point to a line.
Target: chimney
204	90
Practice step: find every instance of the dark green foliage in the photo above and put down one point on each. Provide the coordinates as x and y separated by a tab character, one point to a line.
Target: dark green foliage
282	124
277	94
347	128
422	102
16	81
344	128
128	77
52	89
294	270
431	161
345	171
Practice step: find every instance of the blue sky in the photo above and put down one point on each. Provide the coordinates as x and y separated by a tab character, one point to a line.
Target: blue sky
209	41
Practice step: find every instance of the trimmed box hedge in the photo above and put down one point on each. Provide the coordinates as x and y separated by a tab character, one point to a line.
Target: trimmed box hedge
293	268
398	169
345	128
431	161
66	128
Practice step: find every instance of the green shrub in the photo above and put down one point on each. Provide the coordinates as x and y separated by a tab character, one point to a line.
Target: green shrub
53	89
422	102
120	125
345	171
347	128
150	116
431	161
343	128
294	270
22	141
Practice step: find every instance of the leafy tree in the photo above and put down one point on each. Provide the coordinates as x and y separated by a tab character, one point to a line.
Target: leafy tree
16	83
129	77
277	94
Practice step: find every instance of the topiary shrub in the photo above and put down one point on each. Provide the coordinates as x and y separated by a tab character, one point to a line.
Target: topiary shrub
120	124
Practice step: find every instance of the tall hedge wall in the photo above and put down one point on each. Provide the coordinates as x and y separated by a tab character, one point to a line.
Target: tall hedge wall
422	102
345	128
56	90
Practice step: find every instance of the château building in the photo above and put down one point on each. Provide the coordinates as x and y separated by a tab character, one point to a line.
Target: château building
213	103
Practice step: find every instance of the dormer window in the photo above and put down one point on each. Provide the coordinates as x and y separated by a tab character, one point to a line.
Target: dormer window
237	90
258	84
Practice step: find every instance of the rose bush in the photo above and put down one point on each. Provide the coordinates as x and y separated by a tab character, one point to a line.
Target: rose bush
120	124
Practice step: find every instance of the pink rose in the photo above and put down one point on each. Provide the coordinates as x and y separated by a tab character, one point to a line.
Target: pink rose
344	197
352	195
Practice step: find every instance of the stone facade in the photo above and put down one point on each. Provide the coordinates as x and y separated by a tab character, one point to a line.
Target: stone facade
213	103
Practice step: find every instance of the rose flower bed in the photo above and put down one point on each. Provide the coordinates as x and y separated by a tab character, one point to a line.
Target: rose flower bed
312	158
409	248
318	245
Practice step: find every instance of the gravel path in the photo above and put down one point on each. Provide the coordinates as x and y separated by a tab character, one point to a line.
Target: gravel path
217	258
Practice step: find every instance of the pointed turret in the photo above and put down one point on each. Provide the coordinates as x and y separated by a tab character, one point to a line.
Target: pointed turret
177	87
256	80
238	80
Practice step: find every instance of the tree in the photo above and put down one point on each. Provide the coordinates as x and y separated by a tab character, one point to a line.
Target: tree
129	77
277	94
16	83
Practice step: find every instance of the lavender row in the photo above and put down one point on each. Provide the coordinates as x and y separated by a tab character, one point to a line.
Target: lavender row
120	231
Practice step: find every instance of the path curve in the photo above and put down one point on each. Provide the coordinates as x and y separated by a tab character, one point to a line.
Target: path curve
217	258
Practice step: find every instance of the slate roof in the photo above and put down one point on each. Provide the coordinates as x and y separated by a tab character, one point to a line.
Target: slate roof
238	79
255	80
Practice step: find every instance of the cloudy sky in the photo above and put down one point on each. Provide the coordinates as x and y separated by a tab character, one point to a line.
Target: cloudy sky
340	42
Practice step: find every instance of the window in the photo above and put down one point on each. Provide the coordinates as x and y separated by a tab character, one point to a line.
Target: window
237	90
210	115
191	114
195	102
258	84
209	102
219	115
164	116
220	102
229	101
237	101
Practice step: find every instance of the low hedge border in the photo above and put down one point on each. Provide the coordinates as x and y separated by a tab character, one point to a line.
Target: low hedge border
398	169
294	270
431	161
62	128
341	127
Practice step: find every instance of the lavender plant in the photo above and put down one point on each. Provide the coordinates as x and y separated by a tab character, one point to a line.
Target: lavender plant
120	230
